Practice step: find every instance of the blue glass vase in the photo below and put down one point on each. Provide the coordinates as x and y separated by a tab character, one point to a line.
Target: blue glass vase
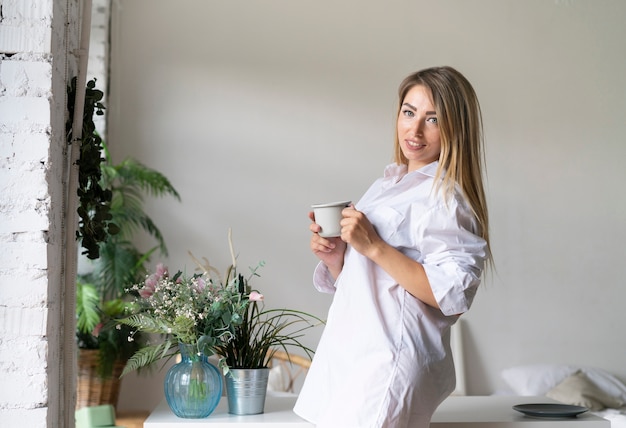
193	387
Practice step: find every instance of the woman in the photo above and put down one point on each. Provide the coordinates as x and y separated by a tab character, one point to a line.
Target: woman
407	264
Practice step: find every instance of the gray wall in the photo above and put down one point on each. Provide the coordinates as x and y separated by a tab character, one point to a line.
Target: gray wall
256	109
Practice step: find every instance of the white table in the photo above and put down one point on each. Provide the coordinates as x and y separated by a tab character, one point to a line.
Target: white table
496	411
454	412
278	412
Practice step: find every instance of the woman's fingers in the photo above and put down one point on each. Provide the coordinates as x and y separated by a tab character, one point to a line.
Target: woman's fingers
321	244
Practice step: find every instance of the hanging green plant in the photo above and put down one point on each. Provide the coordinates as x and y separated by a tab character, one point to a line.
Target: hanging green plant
94	207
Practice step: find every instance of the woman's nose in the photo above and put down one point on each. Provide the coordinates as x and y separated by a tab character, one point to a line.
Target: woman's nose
418	128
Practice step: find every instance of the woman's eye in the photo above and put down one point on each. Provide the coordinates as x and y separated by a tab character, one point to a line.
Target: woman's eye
432	120
408	113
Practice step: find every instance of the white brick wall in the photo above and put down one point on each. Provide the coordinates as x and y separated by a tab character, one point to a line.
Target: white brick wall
34	70
26	26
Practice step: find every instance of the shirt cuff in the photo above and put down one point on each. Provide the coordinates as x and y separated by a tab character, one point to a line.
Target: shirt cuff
454	290
323	281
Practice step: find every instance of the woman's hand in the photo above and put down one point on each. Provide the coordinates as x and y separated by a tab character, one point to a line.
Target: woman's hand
357	231
329	250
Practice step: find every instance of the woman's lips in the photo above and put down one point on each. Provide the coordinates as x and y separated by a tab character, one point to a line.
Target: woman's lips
414	144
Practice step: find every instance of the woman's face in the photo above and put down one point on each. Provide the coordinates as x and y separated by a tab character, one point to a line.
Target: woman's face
418	130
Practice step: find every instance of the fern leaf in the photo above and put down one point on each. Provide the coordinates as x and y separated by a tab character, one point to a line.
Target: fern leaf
146	324
148	355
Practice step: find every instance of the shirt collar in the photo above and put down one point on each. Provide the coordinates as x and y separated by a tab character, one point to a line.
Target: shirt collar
398	171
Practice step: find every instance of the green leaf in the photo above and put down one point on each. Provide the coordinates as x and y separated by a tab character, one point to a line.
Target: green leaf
87	300
149	354
146	323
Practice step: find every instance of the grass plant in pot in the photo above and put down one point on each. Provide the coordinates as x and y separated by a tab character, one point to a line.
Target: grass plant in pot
245	359
111	211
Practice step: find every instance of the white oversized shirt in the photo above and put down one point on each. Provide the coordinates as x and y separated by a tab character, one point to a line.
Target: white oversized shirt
384	357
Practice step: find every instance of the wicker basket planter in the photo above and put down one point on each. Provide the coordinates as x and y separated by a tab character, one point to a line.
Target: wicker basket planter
93	390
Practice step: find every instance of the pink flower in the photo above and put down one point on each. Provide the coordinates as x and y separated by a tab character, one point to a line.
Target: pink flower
161	271
146	291
149	287
151	282
200	285
255	297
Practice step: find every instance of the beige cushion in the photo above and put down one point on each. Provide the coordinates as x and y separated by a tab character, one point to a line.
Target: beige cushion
578	390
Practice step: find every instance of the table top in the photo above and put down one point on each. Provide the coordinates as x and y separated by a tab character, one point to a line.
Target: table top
496	411
278	411
455	412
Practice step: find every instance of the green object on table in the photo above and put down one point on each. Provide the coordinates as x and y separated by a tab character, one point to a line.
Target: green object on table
96	417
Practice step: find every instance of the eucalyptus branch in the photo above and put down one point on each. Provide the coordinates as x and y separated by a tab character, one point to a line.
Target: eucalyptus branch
94	208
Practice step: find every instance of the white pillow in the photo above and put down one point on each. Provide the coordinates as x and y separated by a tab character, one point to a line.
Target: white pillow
578	390
538	379
606	382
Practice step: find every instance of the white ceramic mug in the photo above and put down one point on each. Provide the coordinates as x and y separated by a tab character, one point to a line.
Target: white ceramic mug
328	217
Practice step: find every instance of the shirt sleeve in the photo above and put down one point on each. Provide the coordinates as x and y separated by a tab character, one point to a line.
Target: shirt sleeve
323	280
453	256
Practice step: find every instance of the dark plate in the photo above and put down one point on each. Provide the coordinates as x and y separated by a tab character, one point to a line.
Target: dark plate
548	410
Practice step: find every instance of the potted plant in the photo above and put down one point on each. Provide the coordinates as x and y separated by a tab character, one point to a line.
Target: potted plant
101	294
111	212
245	358
222	316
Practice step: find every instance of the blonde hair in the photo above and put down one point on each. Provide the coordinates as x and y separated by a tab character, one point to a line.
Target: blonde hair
461	130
